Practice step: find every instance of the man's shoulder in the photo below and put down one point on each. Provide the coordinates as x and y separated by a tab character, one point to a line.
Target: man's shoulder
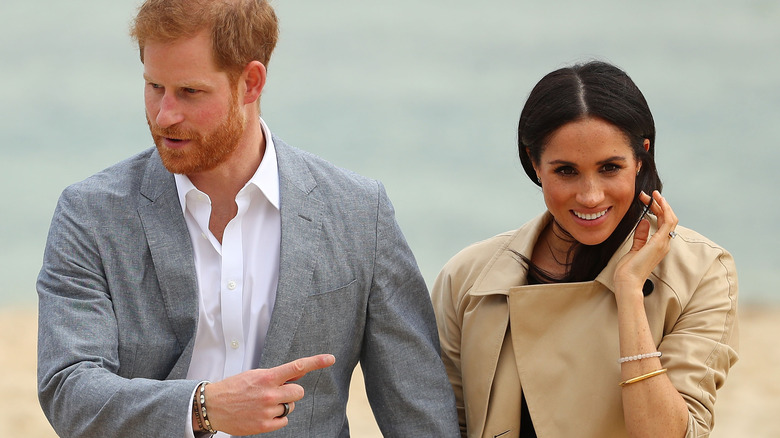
122	178
324	173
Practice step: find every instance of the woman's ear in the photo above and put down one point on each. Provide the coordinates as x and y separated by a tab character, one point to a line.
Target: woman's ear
646	145
533	163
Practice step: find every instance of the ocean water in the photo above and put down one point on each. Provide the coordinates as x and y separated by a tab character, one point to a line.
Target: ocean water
425	96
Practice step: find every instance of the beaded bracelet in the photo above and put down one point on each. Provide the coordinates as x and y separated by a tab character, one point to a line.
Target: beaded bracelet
196	411
639	357
205	415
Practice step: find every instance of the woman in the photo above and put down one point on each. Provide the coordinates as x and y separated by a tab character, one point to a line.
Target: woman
601	317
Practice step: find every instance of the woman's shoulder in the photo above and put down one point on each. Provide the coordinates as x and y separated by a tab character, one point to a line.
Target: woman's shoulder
467	269
692	246
480	253
496	260
695	261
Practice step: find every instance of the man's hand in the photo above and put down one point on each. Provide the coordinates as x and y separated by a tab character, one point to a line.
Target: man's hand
251	402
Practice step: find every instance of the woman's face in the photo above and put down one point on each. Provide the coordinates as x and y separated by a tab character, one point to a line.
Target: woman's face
588	173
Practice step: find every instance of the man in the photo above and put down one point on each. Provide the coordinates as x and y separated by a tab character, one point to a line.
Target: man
224	255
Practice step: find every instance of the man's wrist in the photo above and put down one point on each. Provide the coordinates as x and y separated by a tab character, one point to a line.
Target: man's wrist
201	426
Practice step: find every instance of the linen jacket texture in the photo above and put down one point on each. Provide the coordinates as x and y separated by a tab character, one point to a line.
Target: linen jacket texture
558	343
118	306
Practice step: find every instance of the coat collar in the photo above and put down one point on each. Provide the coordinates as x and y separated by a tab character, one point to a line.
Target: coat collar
504	271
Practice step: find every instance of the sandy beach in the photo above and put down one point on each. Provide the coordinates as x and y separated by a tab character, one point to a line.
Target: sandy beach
747	406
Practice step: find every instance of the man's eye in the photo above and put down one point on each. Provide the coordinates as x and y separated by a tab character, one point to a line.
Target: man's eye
190	90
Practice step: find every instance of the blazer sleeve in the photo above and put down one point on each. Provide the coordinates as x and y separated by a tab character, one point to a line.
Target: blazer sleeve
406	383
80	387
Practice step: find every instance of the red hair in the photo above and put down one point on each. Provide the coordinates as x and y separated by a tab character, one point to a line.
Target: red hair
242	31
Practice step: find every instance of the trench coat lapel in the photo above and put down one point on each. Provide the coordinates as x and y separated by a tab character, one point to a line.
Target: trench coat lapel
301	219
171	251
494	381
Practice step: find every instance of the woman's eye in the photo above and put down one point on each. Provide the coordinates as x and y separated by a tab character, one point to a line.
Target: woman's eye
609	168
565	170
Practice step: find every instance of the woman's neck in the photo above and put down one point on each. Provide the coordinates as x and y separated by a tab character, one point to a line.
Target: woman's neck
553	250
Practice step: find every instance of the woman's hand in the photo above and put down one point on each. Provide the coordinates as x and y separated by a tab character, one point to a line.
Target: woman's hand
652	407
645	254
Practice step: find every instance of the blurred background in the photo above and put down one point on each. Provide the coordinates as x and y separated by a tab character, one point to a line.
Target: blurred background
424	96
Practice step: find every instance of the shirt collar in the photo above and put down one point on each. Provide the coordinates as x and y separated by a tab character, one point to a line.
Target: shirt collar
265	178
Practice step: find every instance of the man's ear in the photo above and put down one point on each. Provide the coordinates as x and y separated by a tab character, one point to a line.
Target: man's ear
253	78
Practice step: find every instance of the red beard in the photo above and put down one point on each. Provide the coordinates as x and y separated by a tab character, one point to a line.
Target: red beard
205	151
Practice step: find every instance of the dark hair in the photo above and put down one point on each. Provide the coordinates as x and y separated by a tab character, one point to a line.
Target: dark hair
594	89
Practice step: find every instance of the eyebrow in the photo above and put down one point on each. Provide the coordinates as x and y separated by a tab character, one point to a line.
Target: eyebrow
194	84
612	159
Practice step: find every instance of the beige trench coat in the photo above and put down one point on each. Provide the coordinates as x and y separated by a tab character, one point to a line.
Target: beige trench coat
558	343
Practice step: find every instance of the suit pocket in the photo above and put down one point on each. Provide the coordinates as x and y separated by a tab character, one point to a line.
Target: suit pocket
336	289
333	320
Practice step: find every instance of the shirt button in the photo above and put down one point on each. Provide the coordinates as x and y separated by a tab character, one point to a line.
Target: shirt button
234	345
231	285
203	235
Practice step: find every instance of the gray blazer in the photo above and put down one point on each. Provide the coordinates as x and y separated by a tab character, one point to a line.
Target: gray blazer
118	306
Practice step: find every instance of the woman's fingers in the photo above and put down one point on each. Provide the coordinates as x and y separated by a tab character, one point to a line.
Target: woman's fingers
667	220
660	208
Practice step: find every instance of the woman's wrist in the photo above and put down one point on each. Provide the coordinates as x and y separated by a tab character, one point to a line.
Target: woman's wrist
629	295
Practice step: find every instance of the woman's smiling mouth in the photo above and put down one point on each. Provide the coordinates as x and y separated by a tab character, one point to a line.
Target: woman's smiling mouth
590	216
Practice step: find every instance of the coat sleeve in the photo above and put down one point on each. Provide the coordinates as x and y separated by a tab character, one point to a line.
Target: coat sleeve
406	383
450	338
80	387
701	346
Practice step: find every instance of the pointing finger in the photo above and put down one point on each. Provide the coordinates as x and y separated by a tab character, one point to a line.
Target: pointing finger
300	367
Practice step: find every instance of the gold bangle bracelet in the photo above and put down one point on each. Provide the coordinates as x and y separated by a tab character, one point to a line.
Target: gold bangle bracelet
643	377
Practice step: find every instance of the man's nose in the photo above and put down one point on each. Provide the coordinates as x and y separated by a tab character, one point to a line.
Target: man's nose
169	112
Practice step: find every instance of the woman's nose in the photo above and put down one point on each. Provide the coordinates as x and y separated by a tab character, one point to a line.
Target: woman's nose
590	193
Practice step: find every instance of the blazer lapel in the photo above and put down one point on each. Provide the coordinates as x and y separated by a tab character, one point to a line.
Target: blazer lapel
301	218
172	255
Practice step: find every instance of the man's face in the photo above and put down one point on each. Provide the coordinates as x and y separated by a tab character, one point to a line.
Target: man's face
191	106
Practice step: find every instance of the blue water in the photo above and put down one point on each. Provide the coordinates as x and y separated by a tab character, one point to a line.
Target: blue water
423	95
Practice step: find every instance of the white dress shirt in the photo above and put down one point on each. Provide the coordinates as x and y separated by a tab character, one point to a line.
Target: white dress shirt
236	279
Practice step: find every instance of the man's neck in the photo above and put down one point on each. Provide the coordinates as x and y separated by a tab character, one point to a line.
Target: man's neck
223	183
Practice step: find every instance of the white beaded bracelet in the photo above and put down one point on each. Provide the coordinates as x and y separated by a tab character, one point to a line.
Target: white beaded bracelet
639	357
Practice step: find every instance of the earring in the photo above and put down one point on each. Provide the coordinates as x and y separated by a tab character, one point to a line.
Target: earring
539	180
